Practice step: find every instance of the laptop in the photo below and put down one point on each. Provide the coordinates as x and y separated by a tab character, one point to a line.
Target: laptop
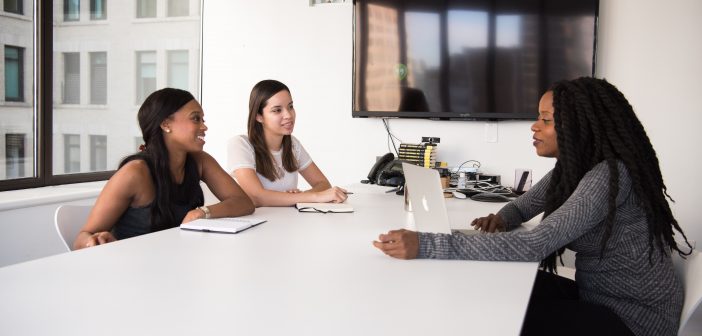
423	188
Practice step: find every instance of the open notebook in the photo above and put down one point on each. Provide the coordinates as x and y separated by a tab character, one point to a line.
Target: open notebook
226	225
324	207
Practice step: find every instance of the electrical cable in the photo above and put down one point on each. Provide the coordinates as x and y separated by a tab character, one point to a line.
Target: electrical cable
476	164
391	137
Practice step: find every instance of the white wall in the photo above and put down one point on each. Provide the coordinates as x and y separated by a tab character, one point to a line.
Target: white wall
650	49
28	233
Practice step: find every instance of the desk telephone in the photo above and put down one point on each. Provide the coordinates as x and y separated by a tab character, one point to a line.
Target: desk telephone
387	171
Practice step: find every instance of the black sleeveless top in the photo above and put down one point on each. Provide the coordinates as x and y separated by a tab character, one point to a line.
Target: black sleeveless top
137	221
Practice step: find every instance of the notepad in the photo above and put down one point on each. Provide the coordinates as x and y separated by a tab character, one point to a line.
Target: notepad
225	225
324	207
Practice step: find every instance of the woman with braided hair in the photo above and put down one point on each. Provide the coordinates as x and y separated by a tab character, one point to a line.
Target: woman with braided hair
605	200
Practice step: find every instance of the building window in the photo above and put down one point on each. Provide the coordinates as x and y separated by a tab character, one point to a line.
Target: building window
98	153
14	73
178	8
146	74
98	78
178	69
71	153
46	125
14	155
71	10
146	8
98	10
13	6
71	76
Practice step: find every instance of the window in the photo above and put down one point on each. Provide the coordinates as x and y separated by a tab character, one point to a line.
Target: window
98	11
146	74
71	153
71	10
98	153
98	78
13	6
178	69
146	8
71	75
14	73
14	155
178	7
87	120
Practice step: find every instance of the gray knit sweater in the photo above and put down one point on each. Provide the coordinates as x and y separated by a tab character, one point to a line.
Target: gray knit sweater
646	295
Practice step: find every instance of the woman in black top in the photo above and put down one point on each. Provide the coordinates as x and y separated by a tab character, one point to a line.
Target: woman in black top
159	187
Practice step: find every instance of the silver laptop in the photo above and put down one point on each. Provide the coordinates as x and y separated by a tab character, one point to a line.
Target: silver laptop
423	186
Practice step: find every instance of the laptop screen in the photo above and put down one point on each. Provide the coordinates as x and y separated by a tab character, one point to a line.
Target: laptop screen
423	187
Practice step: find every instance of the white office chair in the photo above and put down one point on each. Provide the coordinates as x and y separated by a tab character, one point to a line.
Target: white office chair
68	220
690	273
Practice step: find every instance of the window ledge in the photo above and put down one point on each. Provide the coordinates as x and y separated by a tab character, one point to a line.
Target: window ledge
17	199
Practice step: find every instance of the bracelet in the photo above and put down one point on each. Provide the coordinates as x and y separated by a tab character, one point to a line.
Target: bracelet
206	210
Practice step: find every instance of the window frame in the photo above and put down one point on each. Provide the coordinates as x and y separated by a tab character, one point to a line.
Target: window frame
93	10
20	73
65	89
43	109
95	68
67	15
20	160
20	7
68	145
43	106
141	4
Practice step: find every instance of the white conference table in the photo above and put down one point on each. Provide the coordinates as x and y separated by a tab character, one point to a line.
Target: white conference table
298	274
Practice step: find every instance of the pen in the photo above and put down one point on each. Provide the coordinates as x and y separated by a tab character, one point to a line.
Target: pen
348	192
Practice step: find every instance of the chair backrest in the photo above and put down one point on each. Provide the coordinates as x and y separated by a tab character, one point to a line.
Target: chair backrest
690	272
69	219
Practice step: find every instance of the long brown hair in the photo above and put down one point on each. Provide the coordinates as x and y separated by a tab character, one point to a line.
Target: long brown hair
260	94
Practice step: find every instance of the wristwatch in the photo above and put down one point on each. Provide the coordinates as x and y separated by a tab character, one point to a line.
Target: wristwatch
206	210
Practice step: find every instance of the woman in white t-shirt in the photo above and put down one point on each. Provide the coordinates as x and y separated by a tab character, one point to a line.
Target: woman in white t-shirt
266	162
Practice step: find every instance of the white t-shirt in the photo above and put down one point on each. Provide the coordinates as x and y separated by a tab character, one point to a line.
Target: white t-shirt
240	154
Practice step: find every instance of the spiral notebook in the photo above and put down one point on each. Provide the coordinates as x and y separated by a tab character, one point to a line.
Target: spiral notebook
224	225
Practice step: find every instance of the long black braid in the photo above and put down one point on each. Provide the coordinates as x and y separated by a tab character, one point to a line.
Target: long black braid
594	123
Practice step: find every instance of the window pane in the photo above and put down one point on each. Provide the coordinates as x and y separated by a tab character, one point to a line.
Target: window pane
71	74
98	11
178	7
98	78
178	69
71	10
146	74
146	8
98	153
13	6
71	145
17	110
14	154
103	70
14	73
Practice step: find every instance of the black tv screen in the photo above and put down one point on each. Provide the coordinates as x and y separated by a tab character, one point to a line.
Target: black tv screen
467	59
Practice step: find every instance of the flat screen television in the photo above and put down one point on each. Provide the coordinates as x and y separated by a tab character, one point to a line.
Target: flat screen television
467	59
